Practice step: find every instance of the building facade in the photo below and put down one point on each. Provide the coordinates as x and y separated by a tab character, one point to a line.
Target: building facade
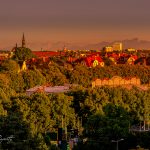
117	46
116	81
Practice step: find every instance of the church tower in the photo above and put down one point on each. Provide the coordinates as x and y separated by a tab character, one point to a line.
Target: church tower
23	41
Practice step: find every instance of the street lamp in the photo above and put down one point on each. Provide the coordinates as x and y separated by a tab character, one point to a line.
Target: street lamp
117	141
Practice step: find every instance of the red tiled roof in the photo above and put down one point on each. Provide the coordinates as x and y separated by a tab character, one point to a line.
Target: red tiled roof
89	60
45	54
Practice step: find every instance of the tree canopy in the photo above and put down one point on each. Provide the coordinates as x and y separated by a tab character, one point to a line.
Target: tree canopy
102	113
22	54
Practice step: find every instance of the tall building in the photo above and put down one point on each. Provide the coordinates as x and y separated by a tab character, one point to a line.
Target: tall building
23	41
117	46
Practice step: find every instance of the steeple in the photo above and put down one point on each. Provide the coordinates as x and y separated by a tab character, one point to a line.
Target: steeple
23	41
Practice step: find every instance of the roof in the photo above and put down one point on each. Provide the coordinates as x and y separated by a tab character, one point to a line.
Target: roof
48	89
45	53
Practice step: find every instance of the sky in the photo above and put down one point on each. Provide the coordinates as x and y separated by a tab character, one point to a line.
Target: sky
76	21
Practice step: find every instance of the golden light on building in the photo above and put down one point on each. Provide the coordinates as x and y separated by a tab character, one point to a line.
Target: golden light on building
108	49
117	46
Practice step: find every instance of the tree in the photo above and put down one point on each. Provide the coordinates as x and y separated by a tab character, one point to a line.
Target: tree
10	66
54	75
40	111
12	124
61	111
32	78
22	54
80	75
112	125
17	82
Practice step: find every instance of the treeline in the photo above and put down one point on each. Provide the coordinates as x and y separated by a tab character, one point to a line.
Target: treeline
109	113
101	114
55	74
29	119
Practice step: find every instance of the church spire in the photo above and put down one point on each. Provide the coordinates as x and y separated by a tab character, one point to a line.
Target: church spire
23	41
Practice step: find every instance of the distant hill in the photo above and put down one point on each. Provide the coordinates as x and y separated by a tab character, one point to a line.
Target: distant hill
127	43
53	46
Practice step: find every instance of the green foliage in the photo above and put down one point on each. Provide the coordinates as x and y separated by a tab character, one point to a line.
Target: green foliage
61	111
12	125
22	54
80	75
83	75
17	82
9	66
38	143
105	111
32	78
101	129
54	76
4	81
113	124
40	106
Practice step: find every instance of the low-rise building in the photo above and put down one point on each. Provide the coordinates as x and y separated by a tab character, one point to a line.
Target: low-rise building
108	49
131	49
117	46
92	61
48	89
116	81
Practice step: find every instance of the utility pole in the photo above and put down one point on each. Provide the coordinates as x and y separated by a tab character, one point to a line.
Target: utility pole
65	127
62	122
144	124
117	141
78	124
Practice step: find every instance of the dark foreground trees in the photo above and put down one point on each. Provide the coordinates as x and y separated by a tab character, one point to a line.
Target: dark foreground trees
112	125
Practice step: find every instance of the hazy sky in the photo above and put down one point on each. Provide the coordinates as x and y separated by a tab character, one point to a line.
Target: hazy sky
73	20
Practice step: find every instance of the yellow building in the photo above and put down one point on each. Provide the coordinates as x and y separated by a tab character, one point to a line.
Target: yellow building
108	49
22	67
131	50
117	46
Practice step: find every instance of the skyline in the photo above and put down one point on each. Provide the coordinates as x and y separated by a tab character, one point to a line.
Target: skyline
85	21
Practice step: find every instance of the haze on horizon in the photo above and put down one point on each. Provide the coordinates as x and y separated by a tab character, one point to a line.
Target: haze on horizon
80	21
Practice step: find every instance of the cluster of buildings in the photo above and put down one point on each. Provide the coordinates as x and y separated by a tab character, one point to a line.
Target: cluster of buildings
115	54
114	47
117	47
